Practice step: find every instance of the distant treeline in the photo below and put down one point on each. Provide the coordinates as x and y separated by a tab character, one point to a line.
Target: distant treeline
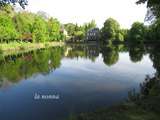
138	33
31	27
26	26
79	31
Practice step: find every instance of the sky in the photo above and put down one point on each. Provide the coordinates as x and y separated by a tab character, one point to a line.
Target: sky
80	11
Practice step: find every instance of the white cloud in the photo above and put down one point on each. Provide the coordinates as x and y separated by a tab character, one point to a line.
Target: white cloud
80	11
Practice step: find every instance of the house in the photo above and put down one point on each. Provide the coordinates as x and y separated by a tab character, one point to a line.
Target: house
27	37
92	34
63	31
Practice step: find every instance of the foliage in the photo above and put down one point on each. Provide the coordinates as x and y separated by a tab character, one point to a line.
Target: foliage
153	14
79	35
24	22
40	32
124	33
78	31
119	36
111	31
153	8
28	27
18	67
155	57
155	30
137	33
54	29
22	3
7	29
136	52
70	27
110	28
90	25
110	55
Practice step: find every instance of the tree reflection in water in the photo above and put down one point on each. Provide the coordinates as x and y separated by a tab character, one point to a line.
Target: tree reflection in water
23	66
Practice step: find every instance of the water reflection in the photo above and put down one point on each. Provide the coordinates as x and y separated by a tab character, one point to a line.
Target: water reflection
110	54
23	66
85	76
136	52
84	51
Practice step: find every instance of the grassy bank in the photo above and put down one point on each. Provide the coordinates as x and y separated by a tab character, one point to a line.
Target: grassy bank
18	47
126	111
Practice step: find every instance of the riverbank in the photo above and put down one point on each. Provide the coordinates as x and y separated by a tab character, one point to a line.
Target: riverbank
125	111
19	47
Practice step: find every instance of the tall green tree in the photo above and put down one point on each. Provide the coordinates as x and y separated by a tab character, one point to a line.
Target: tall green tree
7	29
110	29
40	32
24	22
54	28
137	32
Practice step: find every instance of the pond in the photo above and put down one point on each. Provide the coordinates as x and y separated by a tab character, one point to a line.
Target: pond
56	83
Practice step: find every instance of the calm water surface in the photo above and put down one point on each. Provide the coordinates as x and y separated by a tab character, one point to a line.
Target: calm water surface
82	78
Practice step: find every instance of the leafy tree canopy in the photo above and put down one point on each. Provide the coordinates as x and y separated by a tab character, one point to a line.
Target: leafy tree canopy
137	32
153	8
22	3
110	29
7	28
40	30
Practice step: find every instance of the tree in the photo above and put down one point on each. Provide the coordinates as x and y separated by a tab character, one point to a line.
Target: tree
137	32
124	33
155	30
153	8
54	29
22	3
110	55
79	35
7	29
40	32
8	9
155	57
70	28
136	52
24	22
90	25
110	29
119	37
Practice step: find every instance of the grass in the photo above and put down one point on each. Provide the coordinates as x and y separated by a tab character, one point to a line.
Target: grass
18	47
126	111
